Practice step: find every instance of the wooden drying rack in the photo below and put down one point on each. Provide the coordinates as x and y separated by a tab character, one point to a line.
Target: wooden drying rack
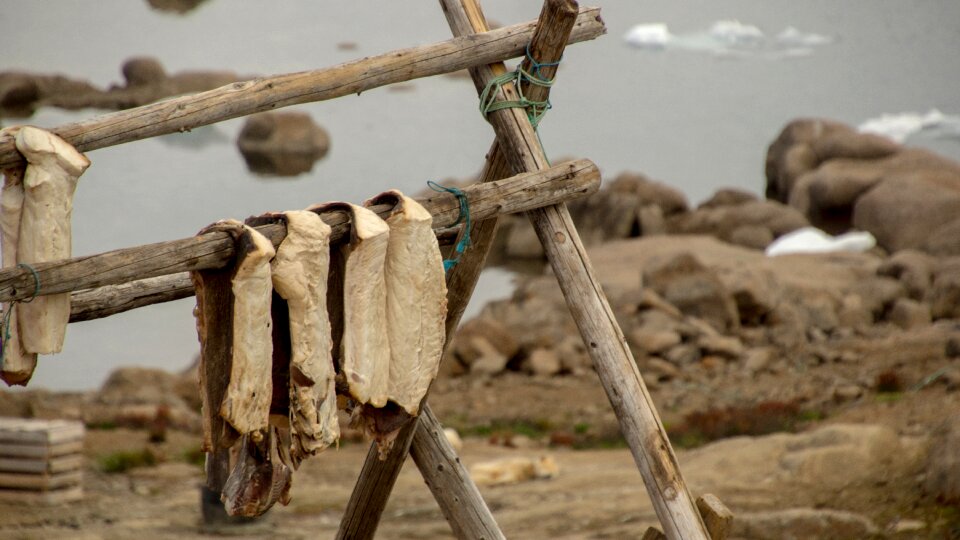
516	178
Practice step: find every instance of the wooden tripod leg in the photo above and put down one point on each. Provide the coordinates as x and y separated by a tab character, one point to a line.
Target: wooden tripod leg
614	363
453	489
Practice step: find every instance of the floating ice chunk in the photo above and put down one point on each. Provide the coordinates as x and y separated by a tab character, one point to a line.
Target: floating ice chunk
813	240
727	38
792	37
901	126
736	33
649	36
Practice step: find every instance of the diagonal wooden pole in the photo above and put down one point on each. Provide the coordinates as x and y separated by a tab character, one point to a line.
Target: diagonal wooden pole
612	359
457	495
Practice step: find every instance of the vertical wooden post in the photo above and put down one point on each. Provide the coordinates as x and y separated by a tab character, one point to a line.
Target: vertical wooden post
639	421
457	495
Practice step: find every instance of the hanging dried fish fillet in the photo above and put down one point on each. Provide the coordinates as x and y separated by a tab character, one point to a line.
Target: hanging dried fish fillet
416	300
18	365
53	167
300	272
365	348
259	478
246	405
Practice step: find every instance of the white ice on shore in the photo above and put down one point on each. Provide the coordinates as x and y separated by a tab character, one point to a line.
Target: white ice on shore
728	37
813	240
900	126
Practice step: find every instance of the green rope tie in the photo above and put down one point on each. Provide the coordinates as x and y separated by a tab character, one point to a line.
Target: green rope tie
535	109
463	217
7	315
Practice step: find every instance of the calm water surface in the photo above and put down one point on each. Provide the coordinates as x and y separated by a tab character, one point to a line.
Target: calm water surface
693	119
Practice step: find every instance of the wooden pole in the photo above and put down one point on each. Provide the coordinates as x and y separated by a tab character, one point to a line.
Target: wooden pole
613	361
456	494
264	94
215	250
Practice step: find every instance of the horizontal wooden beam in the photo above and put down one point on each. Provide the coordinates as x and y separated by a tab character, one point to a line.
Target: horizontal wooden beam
214	250
264	94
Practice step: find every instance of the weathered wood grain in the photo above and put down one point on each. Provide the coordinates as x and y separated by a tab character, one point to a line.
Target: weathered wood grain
214	250
601	333
264	94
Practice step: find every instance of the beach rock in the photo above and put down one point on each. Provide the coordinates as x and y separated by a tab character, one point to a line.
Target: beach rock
143	71
755	291
943	463
489	329
758	359
652	341
748	219
904	211
805	143
914	269
544	362
137	397
694	290
683	355
19	94
179	7
282	143
751	236
726	346
728	197
802	524
659	368
647	191
852	313
944	293
909	314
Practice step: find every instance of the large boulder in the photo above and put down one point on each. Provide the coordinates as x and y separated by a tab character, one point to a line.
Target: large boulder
904	211
806	143
282	143
841	179
139	397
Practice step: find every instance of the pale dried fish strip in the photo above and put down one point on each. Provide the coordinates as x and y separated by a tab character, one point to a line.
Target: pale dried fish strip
365	347
246	405
18	365
416	300
53	167
300	272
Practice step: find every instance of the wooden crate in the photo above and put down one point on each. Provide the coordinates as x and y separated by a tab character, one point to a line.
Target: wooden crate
41	461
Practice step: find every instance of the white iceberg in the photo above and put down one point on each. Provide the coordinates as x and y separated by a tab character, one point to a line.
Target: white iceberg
728	37
813	240
900	126
649	36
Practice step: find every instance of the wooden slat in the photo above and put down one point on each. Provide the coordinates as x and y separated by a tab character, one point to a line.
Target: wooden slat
40	481
45	498
40	450
214	250
41	465
264	94
31	431
612	359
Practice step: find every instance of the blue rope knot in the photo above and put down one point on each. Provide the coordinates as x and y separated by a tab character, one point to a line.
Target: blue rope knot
463	217
8	313
535	109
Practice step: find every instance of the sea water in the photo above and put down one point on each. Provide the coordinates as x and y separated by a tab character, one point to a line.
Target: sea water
696	117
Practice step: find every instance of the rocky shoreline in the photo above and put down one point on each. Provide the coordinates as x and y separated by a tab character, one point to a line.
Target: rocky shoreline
817	394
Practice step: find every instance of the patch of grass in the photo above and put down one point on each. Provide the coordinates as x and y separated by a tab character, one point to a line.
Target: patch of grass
125	460
535	429
194	456
888	397
701	427
105	426
581	428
